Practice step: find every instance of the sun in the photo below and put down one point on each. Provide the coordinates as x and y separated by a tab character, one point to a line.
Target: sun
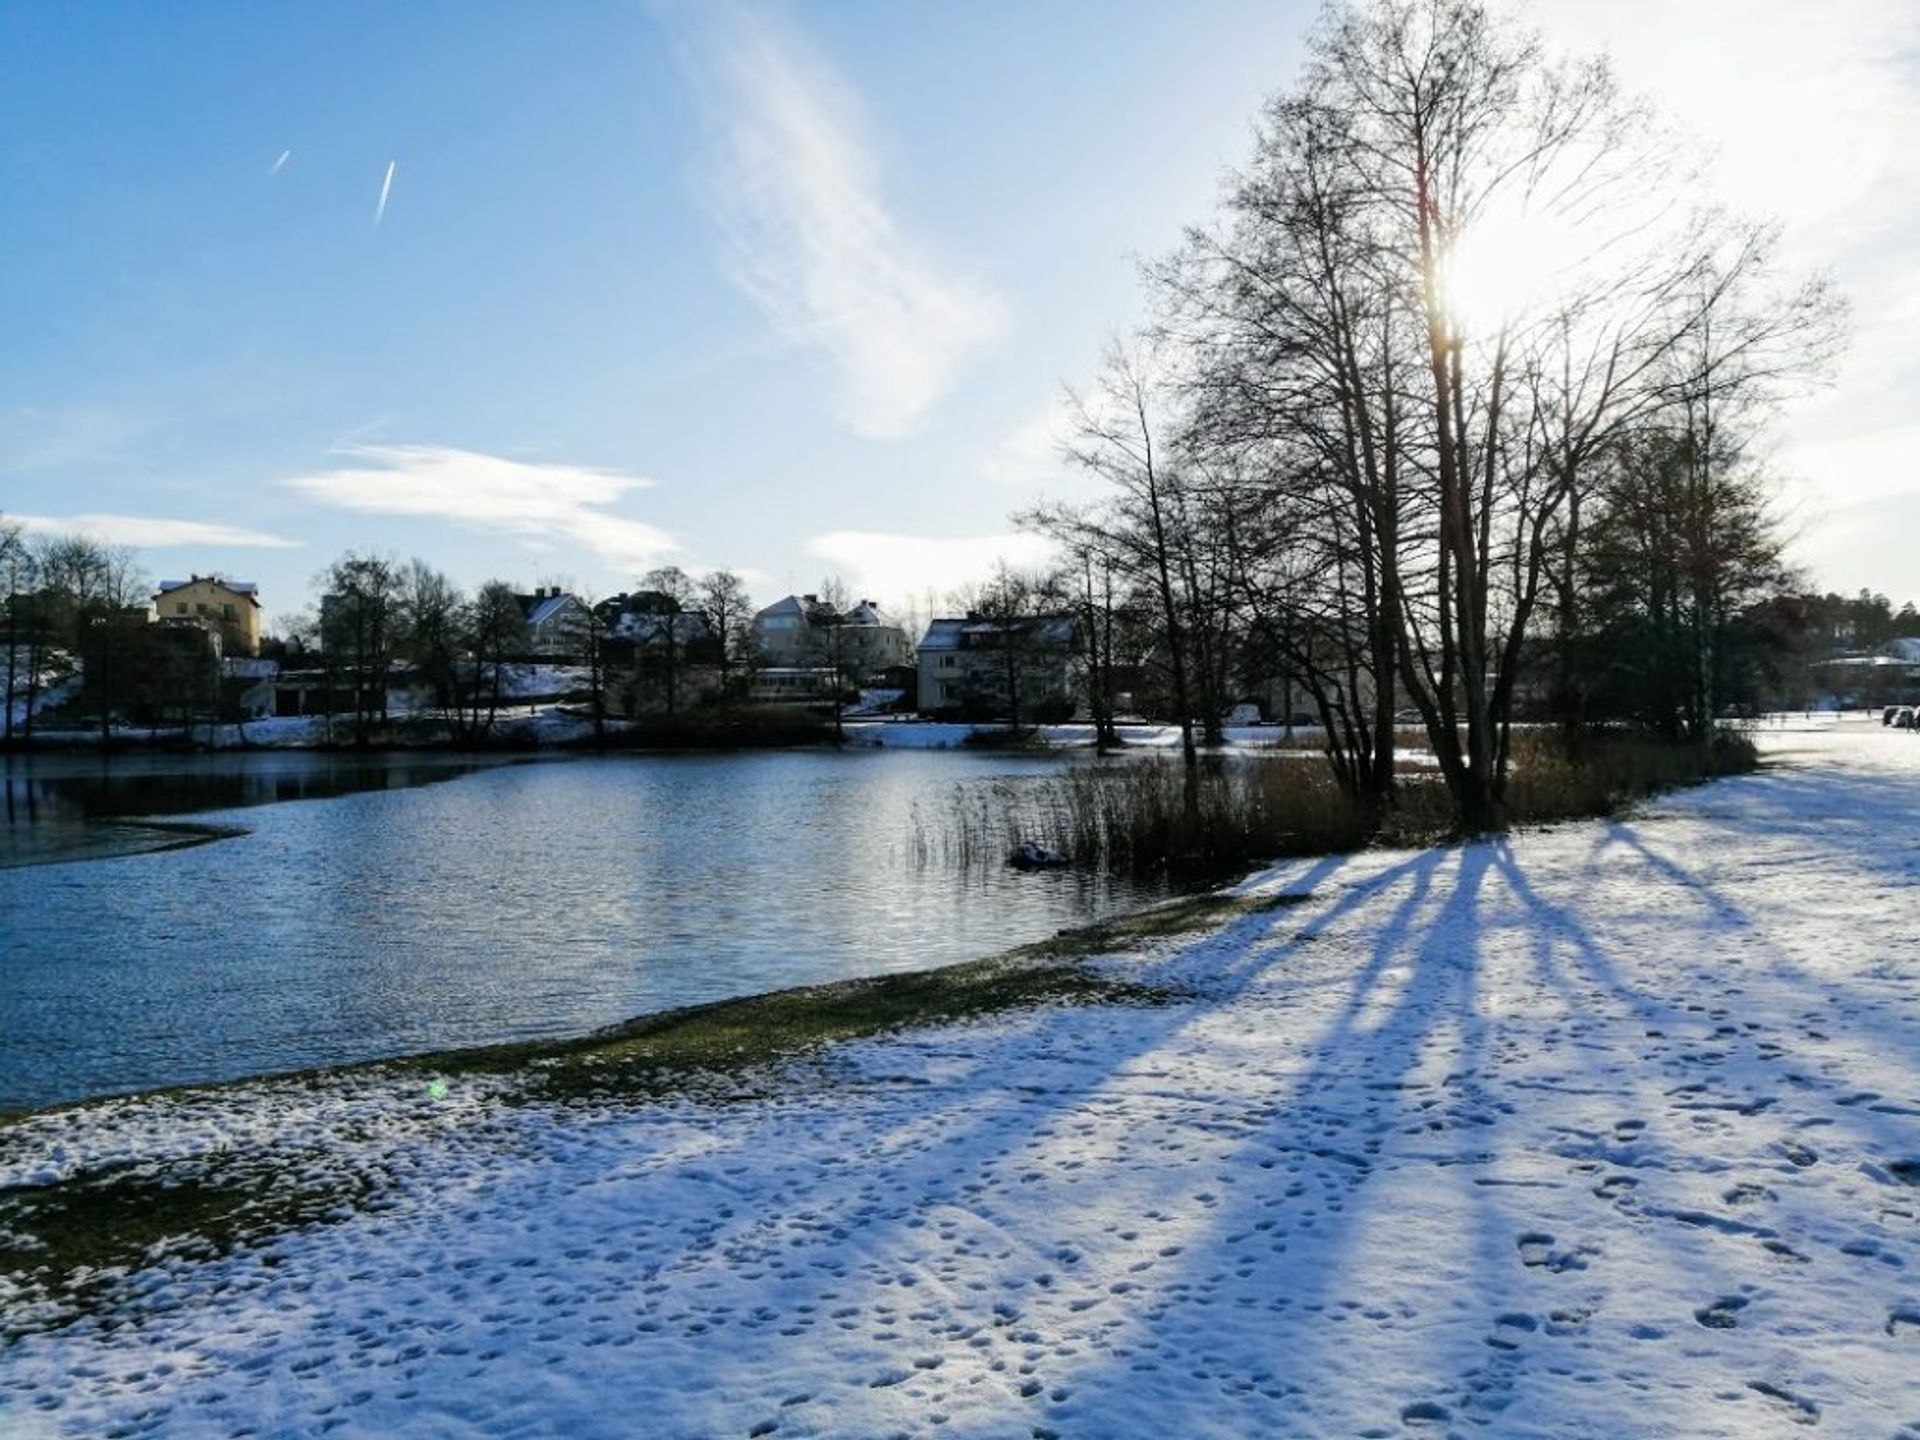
1508	264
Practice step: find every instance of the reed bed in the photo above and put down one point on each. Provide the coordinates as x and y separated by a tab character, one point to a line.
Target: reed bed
1151	816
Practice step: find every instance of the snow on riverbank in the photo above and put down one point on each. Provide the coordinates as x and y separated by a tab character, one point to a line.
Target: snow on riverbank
1608	1130
948	735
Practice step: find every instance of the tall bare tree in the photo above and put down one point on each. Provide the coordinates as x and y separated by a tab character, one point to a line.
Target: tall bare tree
723	601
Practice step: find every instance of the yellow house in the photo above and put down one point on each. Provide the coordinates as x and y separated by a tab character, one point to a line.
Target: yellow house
231	606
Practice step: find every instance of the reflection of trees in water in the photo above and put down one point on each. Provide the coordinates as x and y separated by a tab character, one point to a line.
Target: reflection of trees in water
105	794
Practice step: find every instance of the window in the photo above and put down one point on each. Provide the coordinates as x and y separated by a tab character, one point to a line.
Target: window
199	609
226	612
179	607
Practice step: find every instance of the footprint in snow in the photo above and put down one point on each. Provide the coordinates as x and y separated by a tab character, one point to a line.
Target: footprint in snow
1797	1408
1511	1329
1536	1248
1722	1314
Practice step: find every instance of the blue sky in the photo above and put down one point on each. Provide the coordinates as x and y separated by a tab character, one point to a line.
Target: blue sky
790	288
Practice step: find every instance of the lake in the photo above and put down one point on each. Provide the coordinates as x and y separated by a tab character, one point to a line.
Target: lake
378	906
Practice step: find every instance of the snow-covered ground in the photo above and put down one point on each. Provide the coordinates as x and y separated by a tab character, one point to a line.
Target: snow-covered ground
947	734
1607	1130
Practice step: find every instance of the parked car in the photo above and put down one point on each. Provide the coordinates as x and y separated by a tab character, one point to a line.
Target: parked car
1907	718
1886	715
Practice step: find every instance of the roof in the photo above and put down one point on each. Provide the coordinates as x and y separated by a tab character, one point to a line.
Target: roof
942	635
1865	662
235	587
1907	647
541	608
952	634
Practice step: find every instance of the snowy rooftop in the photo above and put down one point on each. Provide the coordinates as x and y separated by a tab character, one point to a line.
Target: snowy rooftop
238	587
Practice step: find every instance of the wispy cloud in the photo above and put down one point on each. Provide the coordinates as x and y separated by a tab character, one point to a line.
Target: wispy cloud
542	505
280	164
151	532
896	568
798	197
386	189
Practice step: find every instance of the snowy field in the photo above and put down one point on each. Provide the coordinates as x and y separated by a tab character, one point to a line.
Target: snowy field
1609	1130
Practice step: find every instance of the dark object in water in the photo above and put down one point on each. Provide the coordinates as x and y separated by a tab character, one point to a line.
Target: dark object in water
1031	855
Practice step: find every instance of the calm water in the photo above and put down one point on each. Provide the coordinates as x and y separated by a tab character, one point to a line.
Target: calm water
376	908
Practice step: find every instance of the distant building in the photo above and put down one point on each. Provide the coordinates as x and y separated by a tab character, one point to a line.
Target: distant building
803	632
652	620
794	683
981	668
1889	676
230	608
249	686
556	623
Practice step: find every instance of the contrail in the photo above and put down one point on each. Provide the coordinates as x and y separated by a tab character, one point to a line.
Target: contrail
280	164
386	186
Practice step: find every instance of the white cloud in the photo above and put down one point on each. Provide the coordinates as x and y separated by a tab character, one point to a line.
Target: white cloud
1032	461
797	194
151	532
546	507
1030	454
897	568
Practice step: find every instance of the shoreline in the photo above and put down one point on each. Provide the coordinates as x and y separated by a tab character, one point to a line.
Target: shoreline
708	1037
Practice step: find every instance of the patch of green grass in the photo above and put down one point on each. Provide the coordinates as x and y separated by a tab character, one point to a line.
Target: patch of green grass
73	1244
1185	916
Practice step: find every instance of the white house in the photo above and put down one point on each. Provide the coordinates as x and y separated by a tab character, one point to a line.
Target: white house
556	623
986	668
802	632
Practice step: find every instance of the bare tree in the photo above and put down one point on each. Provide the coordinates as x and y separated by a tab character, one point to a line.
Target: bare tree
1410	445
496	636
17	582
359	623
1123	437
723	601
428	633
663	654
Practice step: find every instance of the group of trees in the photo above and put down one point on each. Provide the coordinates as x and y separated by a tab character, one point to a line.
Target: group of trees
70	601
377	613
380	618
1457	408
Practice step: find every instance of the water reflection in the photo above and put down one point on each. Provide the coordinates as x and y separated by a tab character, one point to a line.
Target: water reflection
69	808
527	899
46	789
